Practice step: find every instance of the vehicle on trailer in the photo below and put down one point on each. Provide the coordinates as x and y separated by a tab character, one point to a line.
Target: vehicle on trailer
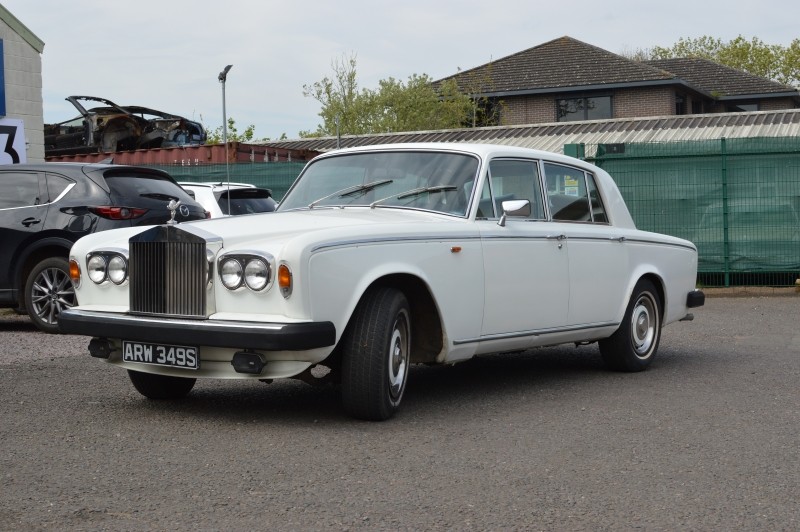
108	128
379	258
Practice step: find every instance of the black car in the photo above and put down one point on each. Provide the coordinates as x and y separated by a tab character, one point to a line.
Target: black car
45	208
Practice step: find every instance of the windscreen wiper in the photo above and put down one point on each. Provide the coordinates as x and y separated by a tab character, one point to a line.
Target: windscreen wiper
415	192
351	190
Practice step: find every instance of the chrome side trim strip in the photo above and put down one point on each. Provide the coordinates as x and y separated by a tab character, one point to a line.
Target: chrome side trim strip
535	332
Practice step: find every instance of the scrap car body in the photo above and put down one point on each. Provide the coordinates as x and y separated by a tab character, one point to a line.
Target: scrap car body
109	128
378	258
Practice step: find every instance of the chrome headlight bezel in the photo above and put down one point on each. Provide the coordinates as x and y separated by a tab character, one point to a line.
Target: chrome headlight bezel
107	266
252	269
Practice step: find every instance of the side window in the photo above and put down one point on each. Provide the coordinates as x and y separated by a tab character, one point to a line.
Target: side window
19	190
567	194
515	179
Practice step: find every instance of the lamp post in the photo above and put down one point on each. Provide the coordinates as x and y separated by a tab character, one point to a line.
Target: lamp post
222	77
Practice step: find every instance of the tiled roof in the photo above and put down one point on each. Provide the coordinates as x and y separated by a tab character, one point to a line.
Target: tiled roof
569	64
717	79
560	63
553	136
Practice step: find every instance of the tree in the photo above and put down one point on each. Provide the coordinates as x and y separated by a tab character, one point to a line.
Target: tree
248	135
395	105
772	61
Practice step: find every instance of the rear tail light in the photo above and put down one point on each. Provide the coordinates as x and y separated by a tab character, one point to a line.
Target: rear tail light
117	213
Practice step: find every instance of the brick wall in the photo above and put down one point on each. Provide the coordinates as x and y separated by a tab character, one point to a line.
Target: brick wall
23	86
626	103
650	101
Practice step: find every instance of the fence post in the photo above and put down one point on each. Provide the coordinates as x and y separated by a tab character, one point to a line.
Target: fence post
725	239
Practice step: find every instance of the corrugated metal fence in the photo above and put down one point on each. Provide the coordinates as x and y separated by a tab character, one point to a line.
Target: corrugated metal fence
738	200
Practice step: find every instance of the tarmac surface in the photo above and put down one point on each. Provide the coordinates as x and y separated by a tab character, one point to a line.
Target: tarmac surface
706	439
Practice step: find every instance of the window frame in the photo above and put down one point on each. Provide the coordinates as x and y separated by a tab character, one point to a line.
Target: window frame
539	182
586	175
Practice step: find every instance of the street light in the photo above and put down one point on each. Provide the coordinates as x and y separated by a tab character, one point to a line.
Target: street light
222	77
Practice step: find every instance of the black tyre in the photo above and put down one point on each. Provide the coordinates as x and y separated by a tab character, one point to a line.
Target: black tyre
48	291
633	346
160	386
376	355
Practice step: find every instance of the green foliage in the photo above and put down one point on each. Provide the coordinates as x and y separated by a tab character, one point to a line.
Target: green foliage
413	105
772	61
246	136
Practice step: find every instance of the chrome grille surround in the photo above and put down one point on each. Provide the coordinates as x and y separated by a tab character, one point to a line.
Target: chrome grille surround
169	273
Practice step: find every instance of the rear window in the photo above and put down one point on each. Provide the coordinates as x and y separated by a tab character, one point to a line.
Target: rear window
134	184
246	201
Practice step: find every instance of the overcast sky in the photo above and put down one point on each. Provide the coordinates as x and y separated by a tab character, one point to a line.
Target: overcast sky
166	55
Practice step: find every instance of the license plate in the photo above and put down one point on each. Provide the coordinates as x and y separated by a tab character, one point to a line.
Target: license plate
176	356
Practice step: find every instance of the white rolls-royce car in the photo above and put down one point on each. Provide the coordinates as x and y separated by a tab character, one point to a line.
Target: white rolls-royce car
382	257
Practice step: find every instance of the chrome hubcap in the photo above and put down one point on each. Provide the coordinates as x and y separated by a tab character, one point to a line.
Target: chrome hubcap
398	356
644	325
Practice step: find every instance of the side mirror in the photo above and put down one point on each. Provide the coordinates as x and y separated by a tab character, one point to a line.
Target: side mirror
515	208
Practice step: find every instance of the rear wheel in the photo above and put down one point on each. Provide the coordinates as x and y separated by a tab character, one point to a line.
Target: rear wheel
48	291
160	386
633	346
376	356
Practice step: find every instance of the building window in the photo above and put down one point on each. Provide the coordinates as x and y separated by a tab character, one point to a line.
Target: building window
594	108
738	107
680	104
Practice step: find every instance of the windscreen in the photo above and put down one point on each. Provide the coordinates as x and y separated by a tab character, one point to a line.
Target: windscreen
436	181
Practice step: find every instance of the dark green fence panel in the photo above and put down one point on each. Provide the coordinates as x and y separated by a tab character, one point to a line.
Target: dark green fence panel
738	200
277	176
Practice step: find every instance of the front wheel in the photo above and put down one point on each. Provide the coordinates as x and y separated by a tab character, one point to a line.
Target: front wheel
155	386
48	291
633	346
376	356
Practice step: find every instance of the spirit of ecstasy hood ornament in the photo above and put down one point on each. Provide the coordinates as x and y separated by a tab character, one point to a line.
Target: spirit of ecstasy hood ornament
173	208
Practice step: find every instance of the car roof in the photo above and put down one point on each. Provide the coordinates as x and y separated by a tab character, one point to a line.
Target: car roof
481	150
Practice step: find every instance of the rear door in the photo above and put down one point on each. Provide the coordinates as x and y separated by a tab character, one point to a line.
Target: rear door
23	210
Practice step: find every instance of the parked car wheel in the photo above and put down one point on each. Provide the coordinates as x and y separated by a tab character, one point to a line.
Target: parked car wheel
160	386
633	347
48	291
376	355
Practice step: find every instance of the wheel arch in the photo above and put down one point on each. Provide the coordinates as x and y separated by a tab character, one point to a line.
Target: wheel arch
34	254
427	335
658	282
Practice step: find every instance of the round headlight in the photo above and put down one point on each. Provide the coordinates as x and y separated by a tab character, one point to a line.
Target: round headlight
117	269
256	274
96	268
230	272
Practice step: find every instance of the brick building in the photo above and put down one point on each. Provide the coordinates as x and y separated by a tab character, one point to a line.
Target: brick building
566	80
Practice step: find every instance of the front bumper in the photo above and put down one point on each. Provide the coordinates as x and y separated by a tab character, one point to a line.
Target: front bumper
231	334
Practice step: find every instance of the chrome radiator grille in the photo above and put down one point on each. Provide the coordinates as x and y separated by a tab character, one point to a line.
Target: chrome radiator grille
168	278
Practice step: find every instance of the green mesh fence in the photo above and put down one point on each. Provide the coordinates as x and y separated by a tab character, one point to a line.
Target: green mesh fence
276	176
738	200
